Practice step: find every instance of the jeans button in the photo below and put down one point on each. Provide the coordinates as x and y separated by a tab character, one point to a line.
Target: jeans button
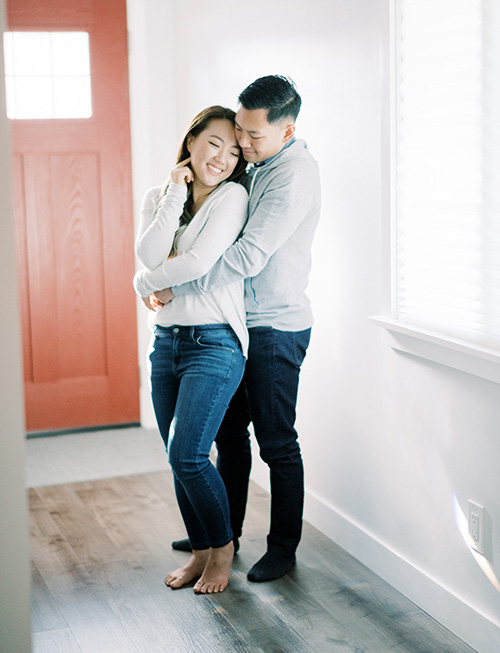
176	329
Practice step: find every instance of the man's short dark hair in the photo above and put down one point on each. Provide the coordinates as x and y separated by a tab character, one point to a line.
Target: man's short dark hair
276	94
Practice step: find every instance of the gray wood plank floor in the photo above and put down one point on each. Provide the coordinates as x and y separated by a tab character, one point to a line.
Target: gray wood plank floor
100	551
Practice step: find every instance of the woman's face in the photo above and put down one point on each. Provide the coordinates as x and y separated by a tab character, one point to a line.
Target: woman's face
214	153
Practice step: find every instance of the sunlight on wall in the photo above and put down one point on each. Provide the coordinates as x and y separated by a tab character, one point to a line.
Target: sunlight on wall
484	564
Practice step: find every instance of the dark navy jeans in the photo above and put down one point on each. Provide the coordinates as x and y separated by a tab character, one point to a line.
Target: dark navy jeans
195	371
267	397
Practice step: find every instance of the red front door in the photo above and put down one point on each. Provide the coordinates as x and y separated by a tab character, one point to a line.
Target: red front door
73	208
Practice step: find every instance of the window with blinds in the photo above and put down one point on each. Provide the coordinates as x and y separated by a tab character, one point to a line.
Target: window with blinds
447	168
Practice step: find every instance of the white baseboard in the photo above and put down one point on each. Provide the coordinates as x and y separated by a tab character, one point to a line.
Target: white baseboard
442	604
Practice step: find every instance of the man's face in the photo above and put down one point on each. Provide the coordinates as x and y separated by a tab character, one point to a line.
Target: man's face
258	139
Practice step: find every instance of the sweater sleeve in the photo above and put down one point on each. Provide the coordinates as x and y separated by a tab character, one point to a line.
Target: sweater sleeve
156	232
223	225
280	210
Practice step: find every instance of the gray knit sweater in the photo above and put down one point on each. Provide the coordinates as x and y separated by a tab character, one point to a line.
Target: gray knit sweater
273	253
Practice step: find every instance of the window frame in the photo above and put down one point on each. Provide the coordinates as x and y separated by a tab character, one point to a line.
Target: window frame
402	336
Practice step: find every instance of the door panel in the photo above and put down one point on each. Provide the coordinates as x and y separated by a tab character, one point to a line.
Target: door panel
74	223
79	277
48	14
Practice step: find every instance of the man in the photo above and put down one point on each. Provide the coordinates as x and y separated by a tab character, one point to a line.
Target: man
273	256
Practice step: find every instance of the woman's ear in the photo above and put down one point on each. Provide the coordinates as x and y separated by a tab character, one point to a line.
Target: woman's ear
189	142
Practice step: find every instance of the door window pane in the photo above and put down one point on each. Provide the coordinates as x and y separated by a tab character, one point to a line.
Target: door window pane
47	75
32	97
72	97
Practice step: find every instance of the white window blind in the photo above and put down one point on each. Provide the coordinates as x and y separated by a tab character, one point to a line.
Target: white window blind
448	168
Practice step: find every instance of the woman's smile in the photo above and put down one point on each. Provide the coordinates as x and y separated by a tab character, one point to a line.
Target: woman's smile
213	169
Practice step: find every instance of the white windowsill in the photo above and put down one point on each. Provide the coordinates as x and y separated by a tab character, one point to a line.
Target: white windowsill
451	352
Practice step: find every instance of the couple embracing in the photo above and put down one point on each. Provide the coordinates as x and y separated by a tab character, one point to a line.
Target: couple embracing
225	246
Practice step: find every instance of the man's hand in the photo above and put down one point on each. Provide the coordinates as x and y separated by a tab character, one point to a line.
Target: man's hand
147	302
163	296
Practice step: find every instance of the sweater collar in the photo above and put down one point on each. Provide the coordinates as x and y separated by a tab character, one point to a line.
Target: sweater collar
263	163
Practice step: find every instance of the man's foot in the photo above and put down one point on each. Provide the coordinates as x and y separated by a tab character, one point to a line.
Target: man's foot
269	567
185	545
216	574
182	545
192	570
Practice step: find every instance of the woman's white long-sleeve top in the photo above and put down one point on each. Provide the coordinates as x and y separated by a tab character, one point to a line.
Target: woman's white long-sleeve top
212	230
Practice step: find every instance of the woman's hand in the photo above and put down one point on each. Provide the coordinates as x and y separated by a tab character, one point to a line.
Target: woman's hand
182	173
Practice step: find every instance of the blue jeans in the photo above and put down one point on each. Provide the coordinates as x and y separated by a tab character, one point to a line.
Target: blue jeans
267	397
195	371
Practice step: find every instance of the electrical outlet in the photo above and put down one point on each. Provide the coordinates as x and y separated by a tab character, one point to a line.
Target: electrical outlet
475	513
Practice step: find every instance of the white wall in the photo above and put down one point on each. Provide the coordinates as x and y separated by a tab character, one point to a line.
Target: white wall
389	441
15	617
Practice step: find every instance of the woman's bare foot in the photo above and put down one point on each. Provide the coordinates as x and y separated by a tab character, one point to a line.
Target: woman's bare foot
190	571
216	574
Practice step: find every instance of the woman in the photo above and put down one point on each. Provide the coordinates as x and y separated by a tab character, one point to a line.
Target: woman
200	341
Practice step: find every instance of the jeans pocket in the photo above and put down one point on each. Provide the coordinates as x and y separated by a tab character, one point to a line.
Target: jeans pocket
160	332
301	341
217	338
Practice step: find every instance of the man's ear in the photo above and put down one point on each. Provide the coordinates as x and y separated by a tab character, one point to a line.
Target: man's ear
289	132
